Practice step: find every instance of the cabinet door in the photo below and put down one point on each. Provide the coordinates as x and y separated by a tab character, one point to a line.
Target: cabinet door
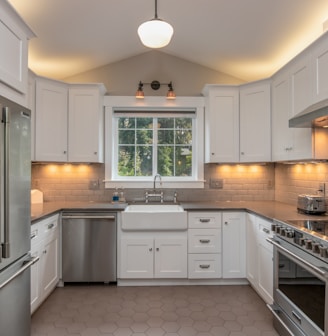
251	250
171	258
50	266
222	125
255	122
300	83
281	133
137	258
319	71
265	261
51	120
85	127
14	35
234	245
36	251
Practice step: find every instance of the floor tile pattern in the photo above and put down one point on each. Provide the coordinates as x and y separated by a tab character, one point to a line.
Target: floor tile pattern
100	310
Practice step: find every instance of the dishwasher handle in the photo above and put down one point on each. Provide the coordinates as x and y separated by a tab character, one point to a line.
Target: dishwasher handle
87	217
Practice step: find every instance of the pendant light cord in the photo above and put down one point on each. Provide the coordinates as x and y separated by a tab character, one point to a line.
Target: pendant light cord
156	17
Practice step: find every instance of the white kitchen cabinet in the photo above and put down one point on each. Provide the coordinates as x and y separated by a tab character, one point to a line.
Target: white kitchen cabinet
259	254
221	123
265	261
31	106
44	273
233	245
69	122
157	255
300	83
287	143
292	143
319	69
86	123
204	245
251	249
14	36
255	122
51	120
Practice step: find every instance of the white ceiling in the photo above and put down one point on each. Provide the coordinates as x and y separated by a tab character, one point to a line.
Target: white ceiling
248	39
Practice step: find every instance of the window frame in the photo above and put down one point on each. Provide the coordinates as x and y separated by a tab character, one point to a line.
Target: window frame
123	104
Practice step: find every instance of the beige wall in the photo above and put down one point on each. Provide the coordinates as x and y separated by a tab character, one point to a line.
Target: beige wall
122	78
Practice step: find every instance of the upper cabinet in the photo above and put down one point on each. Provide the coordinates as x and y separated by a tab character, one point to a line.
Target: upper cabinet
69	121
299	84
85	123
14	36
51	120
255	122
237	123
319	69
221	123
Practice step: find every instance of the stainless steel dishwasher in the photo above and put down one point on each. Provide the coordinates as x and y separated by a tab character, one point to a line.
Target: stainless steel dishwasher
89	246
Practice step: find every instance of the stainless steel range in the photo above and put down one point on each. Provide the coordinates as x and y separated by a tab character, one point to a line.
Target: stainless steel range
300	277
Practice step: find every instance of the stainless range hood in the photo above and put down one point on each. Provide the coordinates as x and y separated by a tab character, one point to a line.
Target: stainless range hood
315	115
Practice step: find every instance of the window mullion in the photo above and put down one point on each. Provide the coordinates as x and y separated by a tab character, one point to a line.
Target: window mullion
155	144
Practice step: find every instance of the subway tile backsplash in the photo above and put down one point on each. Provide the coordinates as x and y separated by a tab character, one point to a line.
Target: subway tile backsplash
240	182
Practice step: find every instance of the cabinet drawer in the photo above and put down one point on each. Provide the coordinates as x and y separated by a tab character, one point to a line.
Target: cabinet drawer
206	220
49	227
204	241
204	266
35	234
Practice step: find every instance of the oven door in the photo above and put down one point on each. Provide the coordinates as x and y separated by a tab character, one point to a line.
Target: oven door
300	289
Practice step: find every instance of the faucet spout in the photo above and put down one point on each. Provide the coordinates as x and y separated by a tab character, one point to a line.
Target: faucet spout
160	180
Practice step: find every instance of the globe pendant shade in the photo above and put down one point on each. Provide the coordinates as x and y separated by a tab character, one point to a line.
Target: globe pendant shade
155	33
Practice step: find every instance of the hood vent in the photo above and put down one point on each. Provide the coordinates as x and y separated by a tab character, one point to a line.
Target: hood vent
315	115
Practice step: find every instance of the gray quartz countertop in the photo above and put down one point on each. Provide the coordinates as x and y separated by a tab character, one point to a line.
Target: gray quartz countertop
267	209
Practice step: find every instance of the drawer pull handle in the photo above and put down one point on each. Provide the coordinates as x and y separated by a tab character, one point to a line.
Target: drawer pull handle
204	266
204	241
33	236
266	230
50	226
204	220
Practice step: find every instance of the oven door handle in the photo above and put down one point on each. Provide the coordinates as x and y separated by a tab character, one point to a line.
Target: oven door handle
295	256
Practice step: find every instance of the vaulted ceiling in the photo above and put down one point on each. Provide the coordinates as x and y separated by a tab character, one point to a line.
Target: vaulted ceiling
248	39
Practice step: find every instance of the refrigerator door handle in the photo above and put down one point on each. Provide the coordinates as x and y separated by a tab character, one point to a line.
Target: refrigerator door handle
5	200
25	266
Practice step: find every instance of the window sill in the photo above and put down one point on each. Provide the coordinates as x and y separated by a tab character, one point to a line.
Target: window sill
149	184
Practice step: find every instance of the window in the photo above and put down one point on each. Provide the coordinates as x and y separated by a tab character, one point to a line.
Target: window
143	142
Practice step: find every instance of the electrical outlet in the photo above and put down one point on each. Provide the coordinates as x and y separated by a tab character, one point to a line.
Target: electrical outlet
322	188
94	185
216	183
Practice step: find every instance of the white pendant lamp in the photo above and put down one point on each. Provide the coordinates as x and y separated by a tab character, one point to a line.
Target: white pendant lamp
155	33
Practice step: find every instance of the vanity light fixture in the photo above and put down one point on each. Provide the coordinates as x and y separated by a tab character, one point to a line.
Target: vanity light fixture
155	85
155	33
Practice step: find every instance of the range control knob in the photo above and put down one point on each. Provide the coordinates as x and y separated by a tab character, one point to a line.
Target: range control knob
315	247
323	251
278	228
308	244
290	233
301	241
273	227
283	231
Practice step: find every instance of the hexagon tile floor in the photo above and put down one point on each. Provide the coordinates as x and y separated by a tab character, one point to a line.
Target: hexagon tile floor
153	311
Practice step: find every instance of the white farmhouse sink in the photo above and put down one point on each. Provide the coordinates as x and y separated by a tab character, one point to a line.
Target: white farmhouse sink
154	217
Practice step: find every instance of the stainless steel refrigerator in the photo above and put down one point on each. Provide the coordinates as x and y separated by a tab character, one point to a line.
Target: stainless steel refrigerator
15	185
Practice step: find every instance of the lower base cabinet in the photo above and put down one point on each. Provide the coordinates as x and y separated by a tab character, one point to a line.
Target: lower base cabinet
260	257
158	257
45	272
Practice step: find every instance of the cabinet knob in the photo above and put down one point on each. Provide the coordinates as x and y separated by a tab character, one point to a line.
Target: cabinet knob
150	249
225	223
64	152
95	153
242	153
157	248
213	153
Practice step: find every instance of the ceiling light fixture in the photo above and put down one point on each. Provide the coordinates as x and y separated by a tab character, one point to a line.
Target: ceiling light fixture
155	85
155	33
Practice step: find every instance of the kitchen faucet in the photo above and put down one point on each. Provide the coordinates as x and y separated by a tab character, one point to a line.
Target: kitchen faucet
160	180
155	194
